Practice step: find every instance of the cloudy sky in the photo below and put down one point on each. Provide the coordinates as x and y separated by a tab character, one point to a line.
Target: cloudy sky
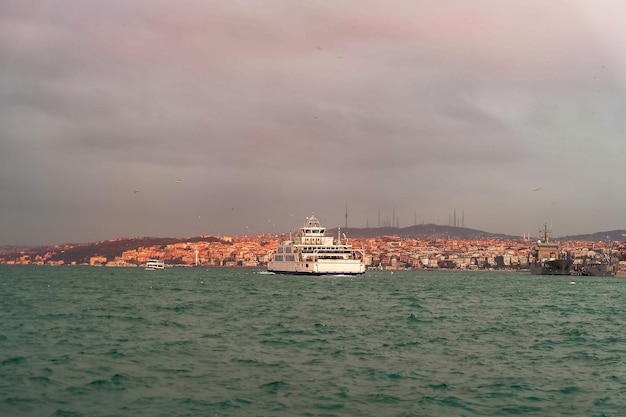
125	118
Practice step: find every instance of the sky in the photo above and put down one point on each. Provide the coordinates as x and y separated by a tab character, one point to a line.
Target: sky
128	118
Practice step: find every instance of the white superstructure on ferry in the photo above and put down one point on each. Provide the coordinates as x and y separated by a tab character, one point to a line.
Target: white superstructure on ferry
314	253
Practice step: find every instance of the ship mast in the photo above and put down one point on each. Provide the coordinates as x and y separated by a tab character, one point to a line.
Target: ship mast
545	233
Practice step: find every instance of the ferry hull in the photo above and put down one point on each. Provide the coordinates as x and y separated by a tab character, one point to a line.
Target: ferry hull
315	274
317	268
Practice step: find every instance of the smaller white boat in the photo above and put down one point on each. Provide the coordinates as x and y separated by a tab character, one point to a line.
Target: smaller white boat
155	264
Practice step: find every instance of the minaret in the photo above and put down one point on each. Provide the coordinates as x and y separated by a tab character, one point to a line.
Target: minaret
346	215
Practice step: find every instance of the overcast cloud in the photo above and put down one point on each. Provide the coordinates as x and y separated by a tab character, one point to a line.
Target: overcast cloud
125	118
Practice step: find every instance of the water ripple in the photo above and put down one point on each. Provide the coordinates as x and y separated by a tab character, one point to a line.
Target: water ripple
191	341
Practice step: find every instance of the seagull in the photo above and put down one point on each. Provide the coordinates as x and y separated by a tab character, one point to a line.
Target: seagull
136	191
536	189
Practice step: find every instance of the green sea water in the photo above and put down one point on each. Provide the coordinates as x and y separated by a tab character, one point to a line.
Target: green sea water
96	341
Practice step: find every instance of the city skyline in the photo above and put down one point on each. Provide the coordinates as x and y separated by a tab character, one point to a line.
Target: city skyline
151	118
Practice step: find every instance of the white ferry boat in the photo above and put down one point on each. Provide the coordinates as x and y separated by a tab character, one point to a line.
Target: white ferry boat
155	264
313	253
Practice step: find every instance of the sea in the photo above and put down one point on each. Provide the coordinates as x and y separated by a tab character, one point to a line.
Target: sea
112	341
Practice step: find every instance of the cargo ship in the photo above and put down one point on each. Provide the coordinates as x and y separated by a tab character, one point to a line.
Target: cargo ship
548	259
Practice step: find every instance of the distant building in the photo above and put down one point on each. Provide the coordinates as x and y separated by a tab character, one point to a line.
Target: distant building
97	260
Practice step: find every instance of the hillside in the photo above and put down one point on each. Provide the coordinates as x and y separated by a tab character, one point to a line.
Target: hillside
81	252
422	231
612	235
434	231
